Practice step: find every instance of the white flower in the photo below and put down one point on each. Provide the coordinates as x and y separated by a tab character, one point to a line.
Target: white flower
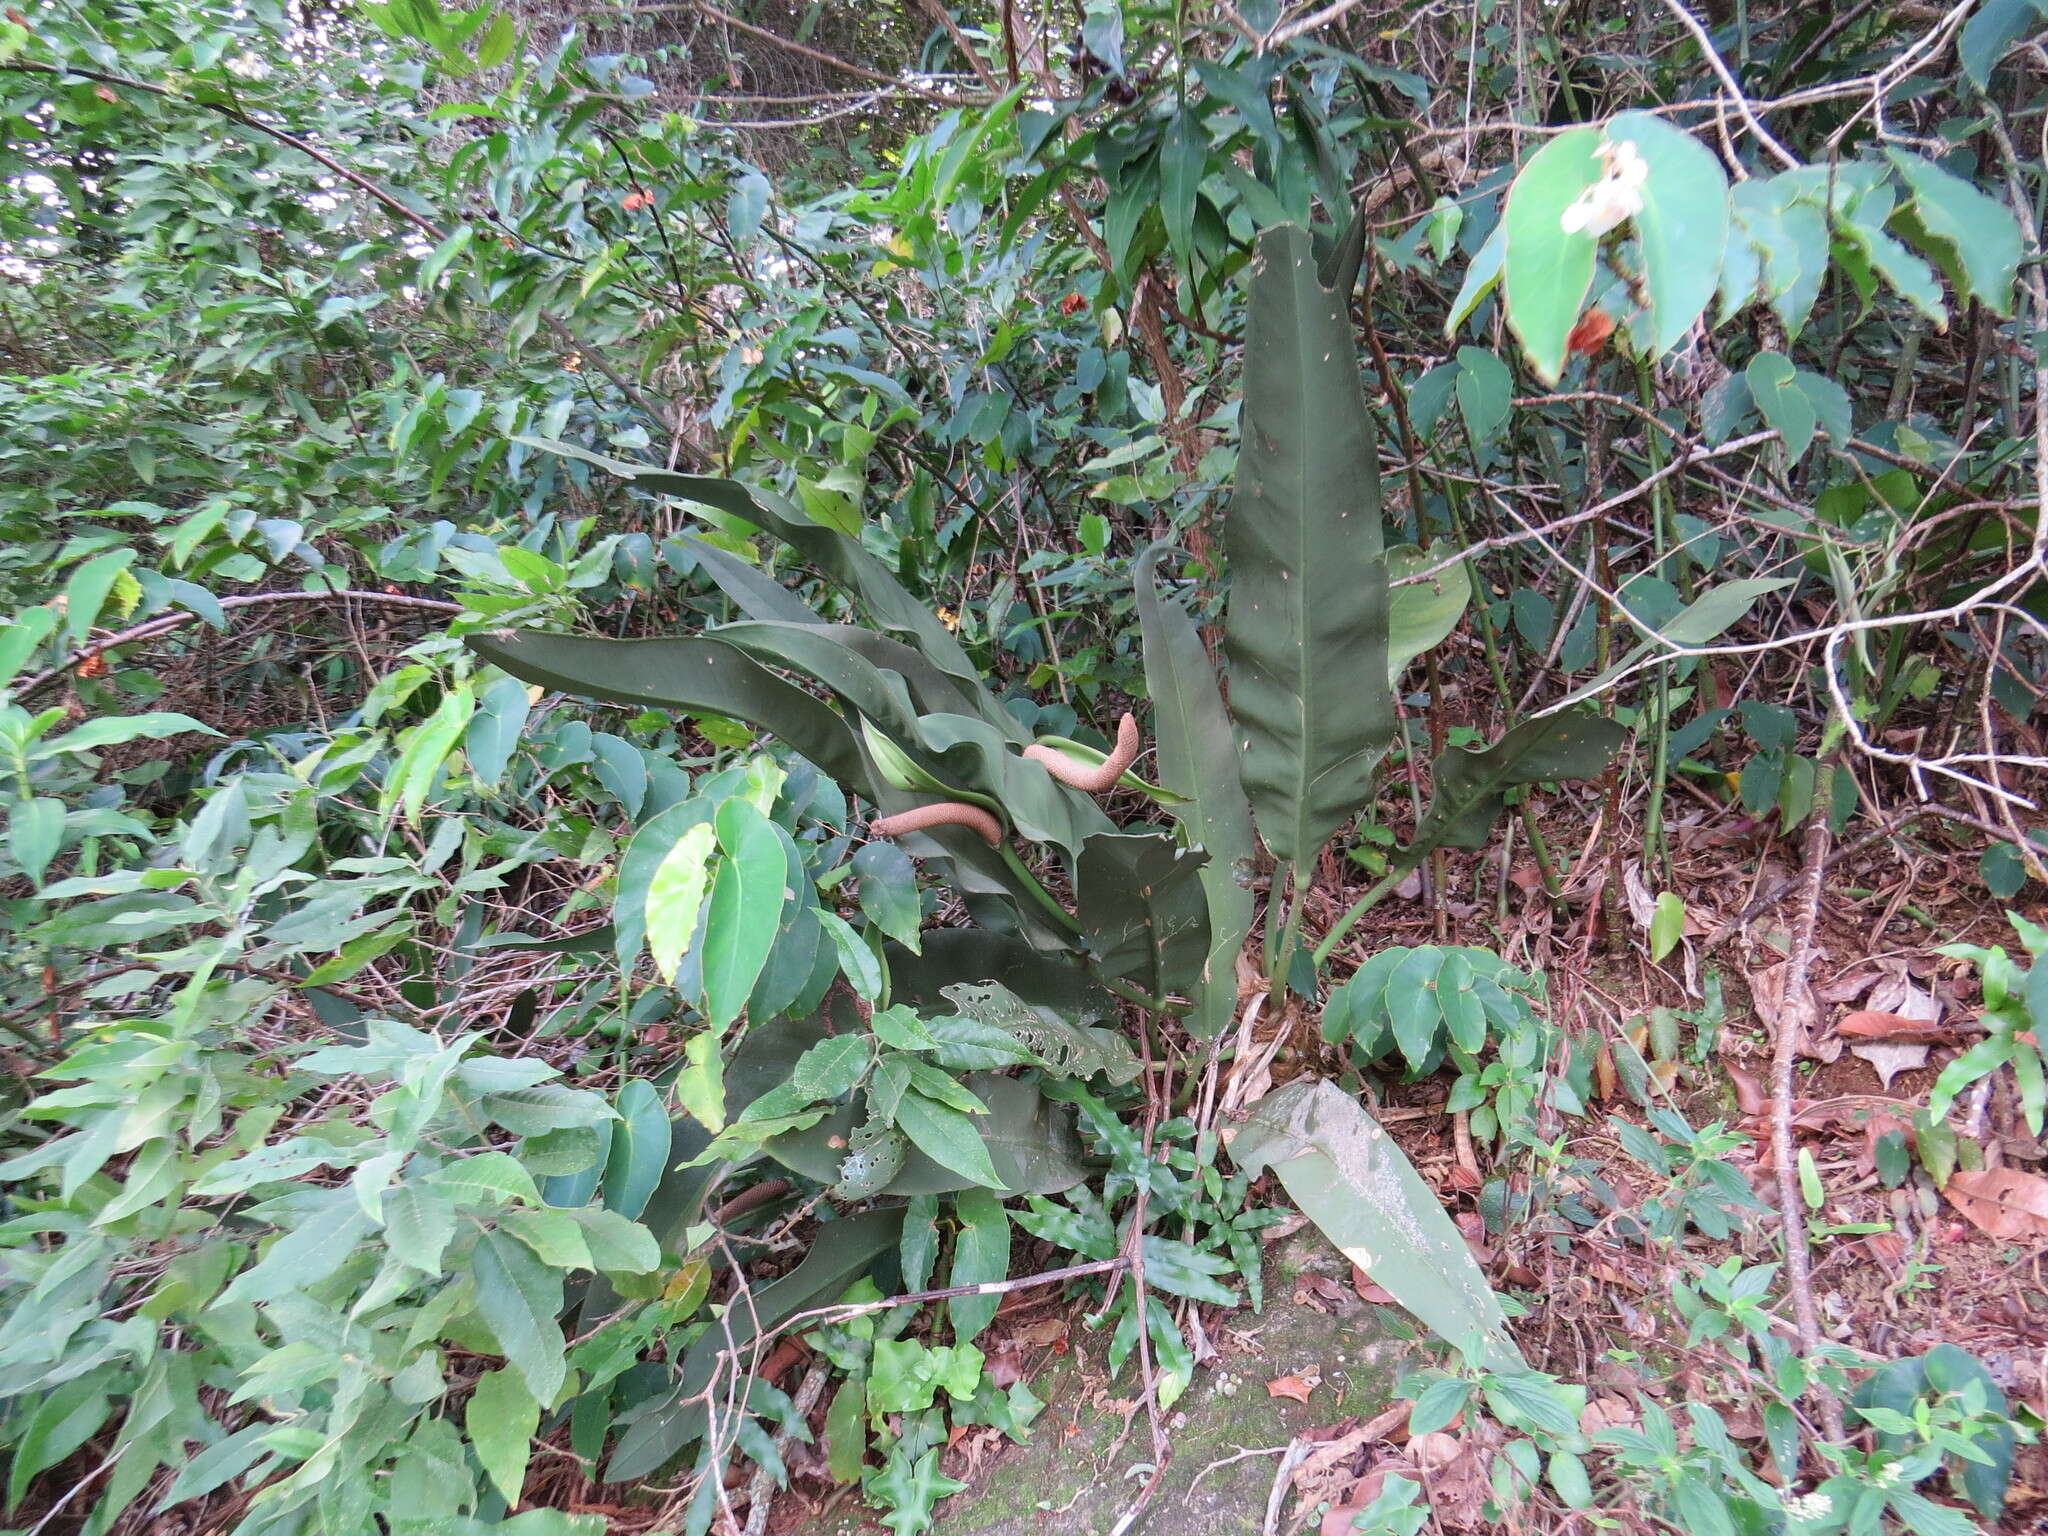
1809	1506
1615	197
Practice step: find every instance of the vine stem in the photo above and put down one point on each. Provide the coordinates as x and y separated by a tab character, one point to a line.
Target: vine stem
1395	874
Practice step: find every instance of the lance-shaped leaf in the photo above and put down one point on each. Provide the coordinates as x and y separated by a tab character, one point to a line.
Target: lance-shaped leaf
1307	631
1470	786
1347	1176
754	592
1142	909
1198	760
835	554
686	672
839	1255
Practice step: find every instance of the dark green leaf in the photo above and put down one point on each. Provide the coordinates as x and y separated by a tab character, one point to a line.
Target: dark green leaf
1470	790
888	891
684	673
1198	761
1307	632
745	909
981	1253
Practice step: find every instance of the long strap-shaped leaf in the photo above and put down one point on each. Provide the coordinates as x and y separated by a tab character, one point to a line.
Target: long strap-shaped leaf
1198	760
1307	631
832	552
1348	1177
682	672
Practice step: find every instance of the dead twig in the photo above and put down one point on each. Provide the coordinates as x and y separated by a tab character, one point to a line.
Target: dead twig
1796	1012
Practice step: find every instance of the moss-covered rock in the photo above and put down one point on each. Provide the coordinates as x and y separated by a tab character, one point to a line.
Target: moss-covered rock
1092	1451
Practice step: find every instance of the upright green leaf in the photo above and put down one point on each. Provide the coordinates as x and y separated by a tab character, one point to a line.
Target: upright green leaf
981	1253
1141	903
639	1152
675	896
747	896
518	1297
888	891
1682	226
1773	385
495	729
1198	761
1183	157
1307	633
35	831
1547	268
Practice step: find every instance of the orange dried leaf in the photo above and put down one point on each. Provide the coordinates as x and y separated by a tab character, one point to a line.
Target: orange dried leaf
1591	333
1871	1024
1291	1387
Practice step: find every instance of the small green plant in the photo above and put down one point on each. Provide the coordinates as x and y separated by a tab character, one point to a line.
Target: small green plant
1938	1411
2015	1019
1436	1005
1702	1190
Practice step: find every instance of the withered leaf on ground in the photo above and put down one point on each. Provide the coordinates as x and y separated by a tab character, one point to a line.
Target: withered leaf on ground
1875	1024
1296	1387
2003	1202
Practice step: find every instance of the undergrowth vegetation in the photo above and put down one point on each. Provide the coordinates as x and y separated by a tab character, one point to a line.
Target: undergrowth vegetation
662	762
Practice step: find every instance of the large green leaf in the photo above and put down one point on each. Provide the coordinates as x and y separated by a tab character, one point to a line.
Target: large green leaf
1347	1176
1307	633
1972	237
684	672
1142	909
1471	785
639	1151
1548	269
756	593
1682	226
955	955
839	1255
981	1253
747	897
1198	761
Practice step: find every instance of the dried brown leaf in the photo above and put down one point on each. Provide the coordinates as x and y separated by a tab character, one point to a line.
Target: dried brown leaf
1297	1388
2002	1202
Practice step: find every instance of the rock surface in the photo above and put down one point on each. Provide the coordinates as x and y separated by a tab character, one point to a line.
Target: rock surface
1082	1470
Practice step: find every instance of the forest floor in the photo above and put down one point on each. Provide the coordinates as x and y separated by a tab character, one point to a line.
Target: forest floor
1895	1270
